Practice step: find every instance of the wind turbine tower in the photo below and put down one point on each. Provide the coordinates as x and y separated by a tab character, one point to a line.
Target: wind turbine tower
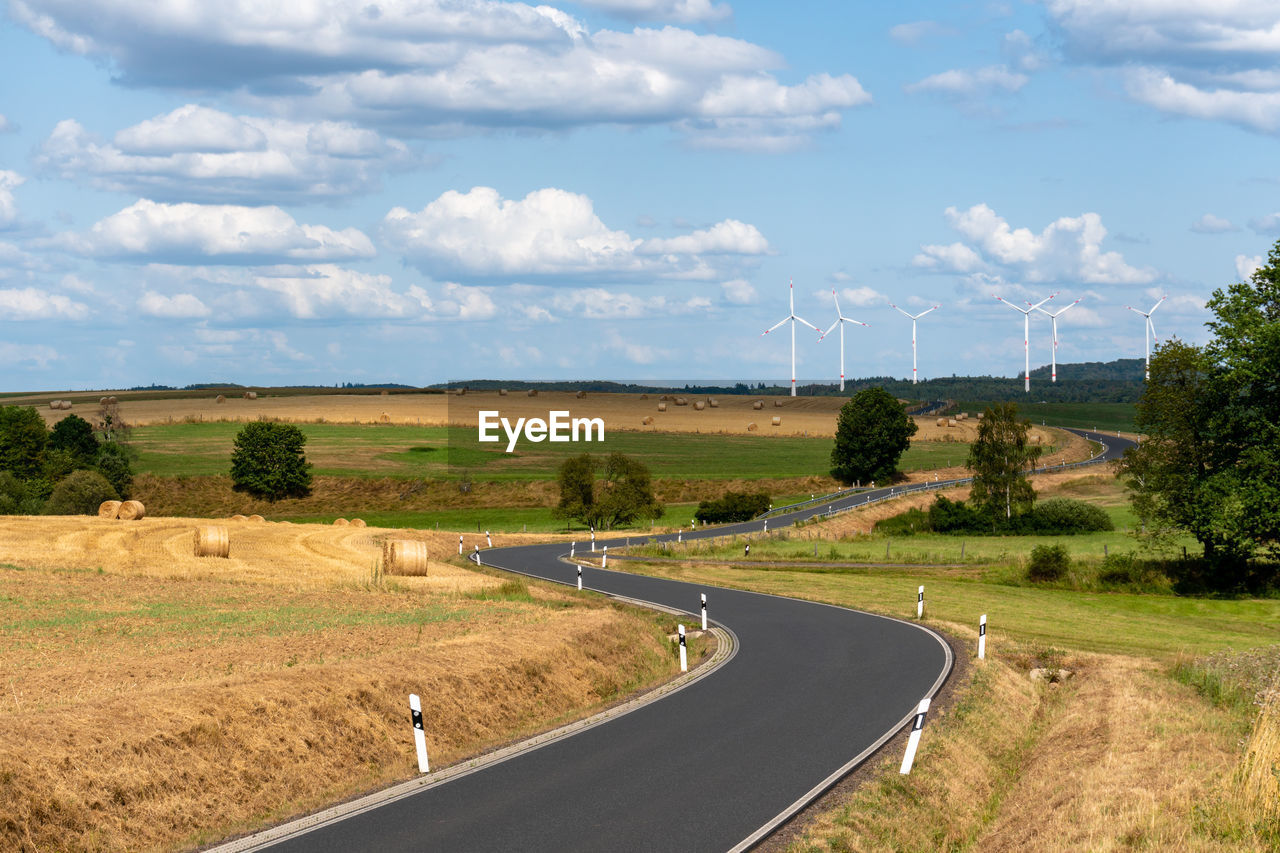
1026	334
1151	330
1054	317
840	321
793	319
913	318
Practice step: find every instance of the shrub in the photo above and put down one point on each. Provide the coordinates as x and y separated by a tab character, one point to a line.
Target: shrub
1048	563
733	506
113	463
75	435
1066	516
1118	570
16	498
948	516
80	493
905	523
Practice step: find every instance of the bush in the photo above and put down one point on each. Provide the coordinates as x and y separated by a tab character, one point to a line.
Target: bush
1067	516
1118	570
113	463
74	435
905	523
948	516
733	506
1048	563
16	498
80	493
268	461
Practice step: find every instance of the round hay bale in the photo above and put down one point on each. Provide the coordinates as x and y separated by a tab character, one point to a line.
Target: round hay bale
220	399
644	396
648	419
751	427
132	511
699	406
66	404
102	401
666	398
777	421
55	404
108	509
212	542
502	392
580	394
404	557
112	399
358	522
251	395
662	407
384	418
340	522
533	392
980	414
256	519
757	405
951	422
777	404
942	421
239	517
713	402
383	393
681	401
462	392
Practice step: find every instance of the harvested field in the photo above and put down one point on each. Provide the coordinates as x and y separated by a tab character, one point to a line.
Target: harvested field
159	701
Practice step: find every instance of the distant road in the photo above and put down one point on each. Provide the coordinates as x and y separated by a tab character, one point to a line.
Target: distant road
811	691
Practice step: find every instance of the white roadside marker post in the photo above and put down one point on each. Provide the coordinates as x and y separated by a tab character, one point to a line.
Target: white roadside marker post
572	546
475	555
982	637
704	611
920	603
593	539
488	540
766	525
459	544
604	561
680	535
419	736
914	740
684	657
579	578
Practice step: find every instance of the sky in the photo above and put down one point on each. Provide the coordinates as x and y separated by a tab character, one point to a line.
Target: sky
419	191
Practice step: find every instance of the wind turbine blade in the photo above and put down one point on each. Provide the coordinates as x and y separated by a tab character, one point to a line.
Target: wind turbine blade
1153	329
1158	304
900	311
774	326
1069	307
1010	304
810	325
837	299
829	331
1136	311
1046	299
792	285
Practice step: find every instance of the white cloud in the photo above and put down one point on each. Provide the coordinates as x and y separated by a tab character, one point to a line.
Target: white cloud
328	291
468	303
181	306
971	83
1269	224
5	125
1021	51
229	234
9	181
27	355
550	232
862	297
916	31
597	303
449	66
1210	224
634	352
29	303
683	11
1246	266
739	291
1067	249
199	154
1212	61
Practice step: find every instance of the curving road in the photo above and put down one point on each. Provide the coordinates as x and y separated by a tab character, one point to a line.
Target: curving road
811	691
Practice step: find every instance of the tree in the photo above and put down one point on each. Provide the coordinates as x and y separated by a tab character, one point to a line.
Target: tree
268	461
114	463
577	487
79	493
872	433
75	435
1210	462
999	460
23	438
624	494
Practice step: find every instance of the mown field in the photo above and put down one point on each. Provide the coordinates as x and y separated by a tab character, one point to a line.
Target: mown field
1101	416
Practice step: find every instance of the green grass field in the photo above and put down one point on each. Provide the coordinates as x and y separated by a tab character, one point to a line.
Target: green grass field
439	452
1102	416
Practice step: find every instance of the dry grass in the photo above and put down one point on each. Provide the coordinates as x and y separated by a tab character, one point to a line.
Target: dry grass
156	701
1121	757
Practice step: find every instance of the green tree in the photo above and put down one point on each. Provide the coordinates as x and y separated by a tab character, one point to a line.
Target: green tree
999	460
79	493
625	495
23	438
114	462
577	487
268	461
75	435
1210	460
872	433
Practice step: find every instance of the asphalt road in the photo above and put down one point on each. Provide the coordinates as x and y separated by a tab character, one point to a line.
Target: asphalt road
811	688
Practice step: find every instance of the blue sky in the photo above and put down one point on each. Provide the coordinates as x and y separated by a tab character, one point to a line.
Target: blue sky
448	189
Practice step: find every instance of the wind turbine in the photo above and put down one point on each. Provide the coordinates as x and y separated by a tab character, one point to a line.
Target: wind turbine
793	319
1054	317
840	321
1151	329
1026	333
913	317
